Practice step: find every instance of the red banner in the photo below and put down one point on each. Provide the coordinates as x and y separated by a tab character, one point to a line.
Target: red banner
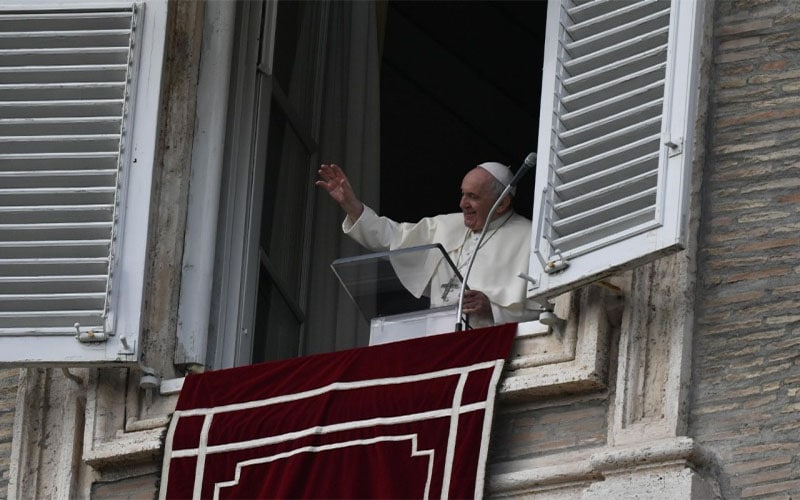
408	419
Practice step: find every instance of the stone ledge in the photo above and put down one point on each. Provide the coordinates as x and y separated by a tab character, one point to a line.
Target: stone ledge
128	447
569	357
580	472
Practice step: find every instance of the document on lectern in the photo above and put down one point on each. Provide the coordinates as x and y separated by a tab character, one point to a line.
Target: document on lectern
403	291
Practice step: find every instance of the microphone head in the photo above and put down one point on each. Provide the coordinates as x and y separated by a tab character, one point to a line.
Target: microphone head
530	160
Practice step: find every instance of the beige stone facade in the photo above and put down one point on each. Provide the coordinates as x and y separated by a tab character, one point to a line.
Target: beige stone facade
679	379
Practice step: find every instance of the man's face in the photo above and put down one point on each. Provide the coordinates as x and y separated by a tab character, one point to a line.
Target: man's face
477	198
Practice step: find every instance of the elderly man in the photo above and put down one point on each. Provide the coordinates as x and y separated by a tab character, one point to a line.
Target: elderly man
496	294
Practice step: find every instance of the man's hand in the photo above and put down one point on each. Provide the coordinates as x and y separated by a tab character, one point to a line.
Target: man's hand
337	185
477	303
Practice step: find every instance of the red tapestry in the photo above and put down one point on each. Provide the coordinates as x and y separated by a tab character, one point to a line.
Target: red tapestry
408	419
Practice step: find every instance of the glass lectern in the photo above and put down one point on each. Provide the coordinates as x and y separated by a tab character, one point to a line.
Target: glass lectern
405	293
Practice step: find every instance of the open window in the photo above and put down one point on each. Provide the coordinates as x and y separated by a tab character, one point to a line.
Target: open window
79	97
614	147
274	294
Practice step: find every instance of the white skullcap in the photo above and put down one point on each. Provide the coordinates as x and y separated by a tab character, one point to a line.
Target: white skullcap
500	172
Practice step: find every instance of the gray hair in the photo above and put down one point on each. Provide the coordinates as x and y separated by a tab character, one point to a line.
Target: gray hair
496	188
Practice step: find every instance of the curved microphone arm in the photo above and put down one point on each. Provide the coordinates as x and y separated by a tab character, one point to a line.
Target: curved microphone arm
530	162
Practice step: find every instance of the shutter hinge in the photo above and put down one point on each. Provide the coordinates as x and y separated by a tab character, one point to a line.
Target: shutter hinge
675	146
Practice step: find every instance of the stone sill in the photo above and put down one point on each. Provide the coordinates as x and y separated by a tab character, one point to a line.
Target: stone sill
595	465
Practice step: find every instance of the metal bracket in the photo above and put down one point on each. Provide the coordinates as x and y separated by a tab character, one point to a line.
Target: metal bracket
549	318
675	146
557	264
148	379
89	335
127	348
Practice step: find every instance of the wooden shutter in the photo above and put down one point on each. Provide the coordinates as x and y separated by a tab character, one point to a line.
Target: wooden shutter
615	138
67	81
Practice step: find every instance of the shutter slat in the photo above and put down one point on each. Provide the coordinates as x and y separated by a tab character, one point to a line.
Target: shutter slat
608	159
59	249
61	91
54	266
66	196
610	56
597	144
119	19
616	121
68	213
55	109
598	17
608	232
618	34
605	195
617	173
595	215
59	126
595	111
54	321
67	38
56	144
53	301
584	10
620	88
53	284
581	78
64	57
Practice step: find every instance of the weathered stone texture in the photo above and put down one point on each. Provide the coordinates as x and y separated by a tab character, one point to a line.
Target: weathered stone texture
9	379
528	431
746	371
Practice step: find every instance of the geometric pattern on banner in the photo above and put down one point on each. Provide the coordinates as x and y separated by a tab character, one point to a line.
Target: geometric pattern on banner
407	419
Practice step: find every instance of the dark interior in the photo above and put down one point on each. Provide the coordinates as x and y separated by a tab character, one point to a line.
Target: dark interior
460	85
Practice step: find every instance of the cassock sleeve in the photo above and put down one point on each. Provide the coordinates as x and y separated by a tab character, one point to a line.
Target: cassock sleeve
382	233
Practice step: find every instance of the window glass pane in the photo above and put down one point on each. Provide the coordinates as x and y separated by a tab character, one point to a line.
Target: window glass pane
286	184
295	55
277	330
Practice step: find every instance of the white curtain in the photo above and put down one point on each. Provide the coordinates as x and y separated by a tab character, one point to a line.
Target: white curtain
350	137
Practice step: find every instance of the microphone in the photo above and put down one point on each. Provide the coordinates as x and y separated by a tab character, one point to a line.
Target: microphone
529	163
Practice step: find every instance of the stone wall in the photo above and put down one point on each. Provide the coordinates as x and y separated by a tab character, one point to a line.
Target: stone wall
746	369
8	399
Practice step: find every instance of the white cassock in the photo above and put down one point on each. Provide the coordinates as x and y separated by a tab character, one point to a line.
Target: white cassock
504	253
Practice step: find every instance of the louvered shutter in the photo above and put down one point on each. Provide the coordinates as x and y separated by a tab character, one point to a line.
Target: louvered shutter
69	167
615	138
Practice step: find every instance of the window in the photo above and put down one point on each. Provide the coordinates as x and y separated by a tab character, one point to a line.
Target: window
79	93
600	56
271	158
615	140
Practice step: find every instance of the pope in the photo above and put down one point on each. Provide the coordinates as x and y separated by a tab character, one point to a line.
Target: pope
496	295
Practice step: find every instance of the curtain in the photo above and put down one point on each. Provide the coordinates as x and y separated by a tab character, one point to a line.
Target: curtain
349	137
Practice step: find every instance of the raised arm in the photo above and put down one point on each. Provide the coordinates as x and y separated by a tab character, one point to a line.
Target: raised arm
333	180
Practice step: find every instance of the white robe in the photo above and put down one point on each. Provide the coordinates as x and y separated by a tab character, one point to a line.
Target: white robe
503	255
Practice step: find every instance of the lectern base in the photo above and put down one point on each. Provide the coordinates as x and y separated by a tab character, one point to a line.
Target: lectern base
411	325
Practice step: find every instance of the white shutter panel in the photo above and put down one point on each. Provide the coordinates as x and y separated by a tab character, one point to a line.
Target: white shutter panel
615	138
67	82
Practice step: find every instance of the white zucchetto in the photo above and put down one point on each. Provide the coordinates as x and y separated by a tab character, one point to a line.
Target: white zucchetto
500	172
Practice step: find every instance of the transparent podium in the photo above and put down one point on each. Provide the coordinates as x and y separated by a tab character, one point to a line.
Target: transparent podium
403	294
